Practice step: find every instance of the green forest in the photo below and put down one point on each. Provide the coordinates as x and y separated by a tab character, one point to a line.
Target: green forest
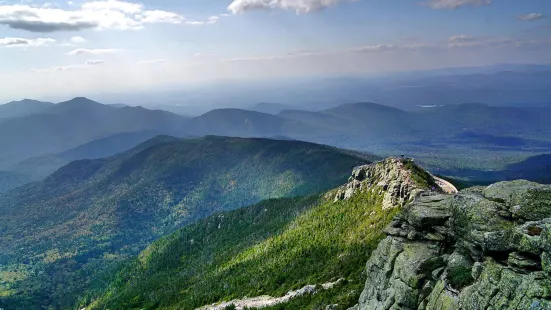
59	236
266	249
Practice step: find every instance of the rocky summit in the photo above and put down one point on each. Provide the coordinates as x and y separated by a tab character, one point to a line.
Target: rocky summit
482	248
398	180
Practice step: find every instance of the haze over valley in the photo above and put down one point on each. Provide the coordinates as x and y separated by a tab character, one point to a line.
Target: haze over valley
44	136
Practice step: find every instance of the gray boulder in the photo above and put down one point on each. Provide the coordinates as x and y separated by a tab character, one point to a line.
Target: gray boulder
483	248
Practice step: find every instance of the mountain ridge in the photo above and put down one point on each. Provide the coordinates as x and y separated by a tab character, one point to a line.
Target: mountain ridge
96	213
23	108
76	122
313	241
448	131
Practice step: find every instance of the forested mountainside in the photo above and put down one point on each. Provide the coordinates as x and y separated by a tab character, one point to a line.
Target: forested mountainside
426	245
10	180
480	248
271	248
59	234
39	167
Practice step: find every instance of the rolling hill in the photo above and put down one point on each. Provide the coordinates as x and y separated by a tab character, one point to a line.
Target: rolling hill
38	168
23	108
69	124
10	180
91	214
370	121
439	136
534	168
483	119
269	107
244	123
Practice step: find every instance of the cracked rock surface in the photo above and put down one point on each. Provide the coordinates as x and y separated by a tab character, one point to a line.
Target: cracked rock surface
483	248
392	177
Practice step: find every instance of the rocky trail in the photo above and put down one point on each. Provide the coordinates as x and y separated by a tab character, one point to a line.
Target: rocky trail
266	301
446	186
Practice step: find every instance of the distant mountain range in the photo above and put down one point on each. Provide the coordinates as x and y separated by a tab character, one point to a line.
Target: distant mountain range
536	168
271	108
490	69
40	143
69	124
501	84
23	108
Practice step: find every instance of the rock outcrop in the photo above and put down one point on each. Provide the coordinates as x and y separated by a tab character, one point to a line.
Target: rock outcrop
398	180
483	248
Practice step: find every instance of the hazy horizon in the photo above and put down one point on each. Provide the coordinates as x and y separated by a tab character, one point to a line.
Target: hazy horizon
84	47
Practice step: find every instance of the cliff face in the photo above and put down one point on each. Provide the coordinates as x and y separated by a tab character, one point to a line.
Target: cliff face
399	181
482	248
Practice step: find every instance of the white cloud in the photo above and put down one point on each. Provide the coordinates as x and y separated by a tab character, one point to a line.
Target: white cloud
78	40
157	16
452	43
113	5
213	19
300	6
21	42
382	48
49	5
194	23
531	16
462	41
105	14
204	55
376	48
94	62
454	4
87	65
152	61
85	51
301	53
460	38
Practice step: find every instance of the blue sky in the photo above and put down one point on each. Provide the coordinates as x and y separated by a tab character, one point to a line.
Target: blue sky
72	47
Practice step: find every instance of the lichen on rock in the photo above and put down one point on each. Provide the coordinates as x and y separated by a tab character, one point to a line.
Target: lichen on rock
483	248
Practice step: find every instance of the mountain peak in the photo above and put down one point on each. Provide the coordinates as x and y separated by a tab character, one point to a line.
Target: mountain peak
399	179
80	104
27	101
23	108
80	100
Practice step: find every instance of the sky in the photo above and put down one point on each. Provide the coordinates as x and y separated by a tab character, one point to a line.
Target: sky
71	47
